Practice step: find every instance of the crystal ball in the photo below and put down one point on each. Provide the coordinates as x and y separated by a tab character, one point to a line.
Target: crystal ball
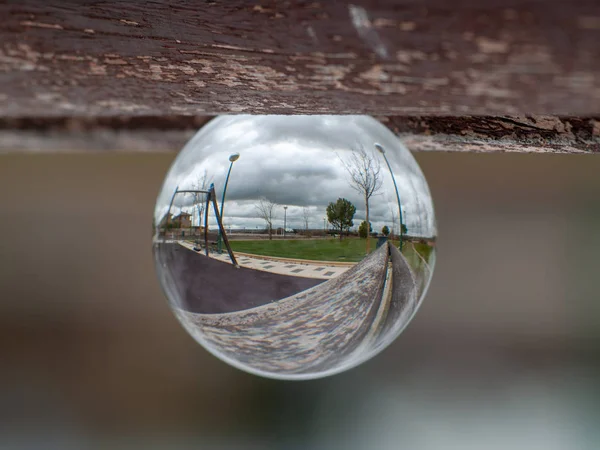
294	247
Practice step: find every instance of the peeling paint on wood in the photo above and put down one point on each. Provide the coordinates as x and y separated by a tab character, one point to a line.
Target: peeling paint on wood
523	134
432	57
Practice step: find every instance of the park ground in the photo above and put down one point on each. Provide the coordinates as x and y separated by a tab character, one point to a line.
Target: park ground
345	250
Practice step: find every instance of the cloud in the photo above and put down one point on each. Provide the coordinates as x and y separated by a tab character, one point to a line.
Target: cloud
297	161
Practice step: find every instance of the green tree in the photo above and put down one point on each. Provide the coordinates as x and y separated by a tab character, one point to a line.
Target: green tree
404	229
385	230
340	214
362	229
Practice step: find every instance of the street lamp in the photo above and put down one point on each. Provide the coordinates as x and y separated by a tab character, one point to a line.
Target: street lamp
324	225
284	219
381	150
232	158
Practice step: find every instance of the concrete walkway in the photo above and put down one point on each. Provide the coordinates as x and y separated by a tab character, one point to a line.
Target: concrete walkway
271	322
293	268
314	330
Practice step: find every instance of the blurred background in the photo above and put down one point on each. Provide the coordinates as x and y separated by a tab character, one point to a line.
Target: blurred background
504	352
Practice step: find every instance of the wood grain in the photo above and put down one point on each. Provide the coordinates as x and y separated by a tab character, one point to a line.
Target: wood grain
524	134
385	58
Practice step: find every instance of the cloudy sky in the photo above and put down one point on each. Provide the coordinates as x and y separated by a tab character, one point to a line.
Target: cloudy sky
297	161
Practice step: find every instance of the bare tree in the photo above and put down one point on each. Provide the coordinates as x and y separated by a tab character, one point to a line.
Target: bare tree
365	176
199	199
265	208
306	217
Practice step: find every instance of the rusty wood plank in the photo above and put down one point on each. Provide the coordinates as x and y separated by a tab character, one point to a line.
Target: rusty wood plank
525	134
385	57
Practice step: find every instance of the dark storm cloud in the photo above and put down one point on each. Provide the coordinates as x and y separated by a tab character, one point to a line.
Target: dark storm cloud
269	180
297	161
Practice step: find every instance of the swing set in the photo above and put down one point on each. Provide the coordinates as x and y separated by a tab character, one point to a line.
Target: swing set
211	197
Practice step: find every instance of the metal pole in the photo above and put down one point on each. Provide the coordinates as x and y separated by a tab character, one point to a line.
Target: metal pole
382	151
224	234
284	219
219	237
211	190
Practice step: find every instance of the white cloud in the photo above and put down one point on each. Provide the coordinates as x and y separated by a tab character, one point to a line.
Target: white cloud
296	161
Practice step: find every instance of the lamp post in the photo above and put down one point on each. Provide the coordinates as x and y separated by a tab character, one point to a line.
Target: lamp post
324	225
381	150
284	219
232	158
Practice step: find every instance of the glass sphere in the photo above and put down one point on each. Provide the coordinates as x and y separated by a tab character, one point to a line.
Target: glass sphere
263	250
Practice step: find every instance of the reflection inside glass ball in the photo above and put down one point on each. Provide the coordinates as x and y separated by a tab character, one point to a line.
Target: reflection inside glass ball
294	246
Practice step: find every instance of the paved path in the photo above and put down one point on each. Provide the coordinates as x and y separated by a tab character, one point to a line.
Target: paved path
404	298
207	285
243	314
314	330
322	271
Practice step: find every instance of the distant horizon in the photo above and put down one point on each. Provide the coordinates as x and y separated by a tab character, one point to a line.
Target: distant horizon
353	229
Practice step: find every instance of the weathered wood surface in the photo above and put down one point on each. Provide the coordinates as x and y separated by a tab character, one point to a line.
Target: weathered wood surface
524	134
386	57
420	133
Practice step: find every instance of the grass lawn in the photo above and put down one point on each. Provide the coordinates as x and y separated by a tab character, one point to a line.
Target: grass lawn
411	252
348	249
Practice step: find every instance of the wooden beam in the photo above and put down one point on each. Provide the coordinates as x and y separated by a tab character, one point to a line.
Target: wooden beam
385	57
520	134
425	133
